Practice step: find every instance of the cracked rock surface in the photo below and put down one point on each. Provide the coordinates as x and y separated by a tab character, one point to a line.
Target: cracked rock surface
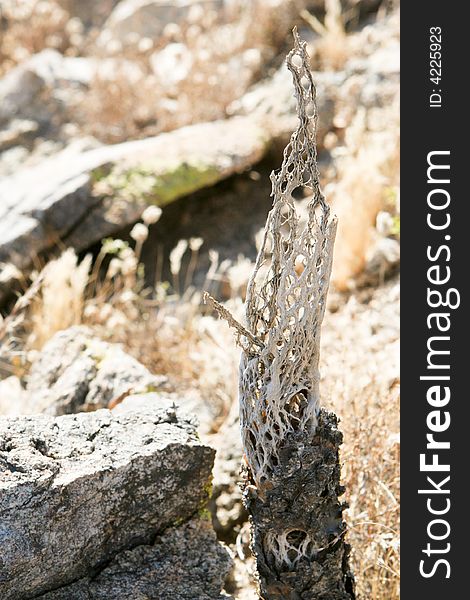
78	491
184	563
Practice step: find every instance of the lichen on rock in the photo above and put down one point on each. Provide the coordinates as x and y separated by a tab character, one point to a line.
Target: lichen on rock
158	183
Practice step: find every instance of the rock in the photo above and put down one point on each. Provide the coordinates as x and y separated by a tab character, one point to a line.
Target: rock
226	504
17	132
210	411
77	198
31	90
77	490
147	18
184	563
191	400
12	396
90	12
383	259
45	91
52	67
18	89
76	372
171	165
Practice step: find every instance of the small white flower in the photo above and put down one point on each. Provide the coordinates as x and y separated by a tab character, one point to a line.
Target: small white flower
151	214
384	223
195	243
139	232
114	267
176	256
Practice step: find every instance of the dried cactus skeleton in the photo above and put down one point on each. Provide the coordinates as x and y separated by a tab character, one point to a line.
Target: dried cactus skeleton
292	470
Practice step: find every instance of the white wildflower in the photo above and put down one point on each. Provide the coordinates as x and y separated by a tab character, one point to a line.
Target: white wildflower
384	223
195	243
139	232
115	266
151	214
176	256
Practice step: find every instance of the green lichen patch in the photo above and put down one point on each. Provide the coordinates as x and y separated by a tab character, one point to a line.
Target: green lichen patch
204	514
156	183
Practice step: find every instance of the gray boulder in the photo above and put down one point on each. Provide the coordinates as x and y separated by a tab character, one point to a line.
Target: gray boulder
13	397
148	18
77	372
18	131
36	88
90	12
18	89
86	495
77	198
226	506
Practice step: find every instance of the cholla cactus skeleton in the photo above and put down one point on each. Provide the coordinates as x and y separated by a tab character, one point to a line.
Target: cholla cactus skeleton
291	447
279	385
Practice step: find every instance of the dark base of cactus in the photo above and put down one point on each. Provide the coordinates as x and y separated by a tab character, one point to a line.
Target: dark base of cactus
297	520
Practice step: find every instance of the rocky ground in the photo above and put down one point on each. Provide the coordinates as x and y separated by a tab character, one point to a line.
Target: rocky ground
136	142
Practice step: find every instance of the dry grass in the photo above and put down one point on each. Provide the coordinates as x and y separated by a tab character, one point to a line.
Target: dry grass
370	463
221	55
360	382
332	49
60	301
367	173
164	328
30	26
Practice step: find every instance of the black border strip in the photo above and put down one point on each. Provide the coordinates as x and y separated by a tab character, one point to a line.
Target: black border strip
424	129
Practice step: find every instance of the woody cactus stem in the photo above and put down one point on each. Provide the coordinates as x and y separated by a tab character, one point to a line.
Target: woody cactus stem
292	471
